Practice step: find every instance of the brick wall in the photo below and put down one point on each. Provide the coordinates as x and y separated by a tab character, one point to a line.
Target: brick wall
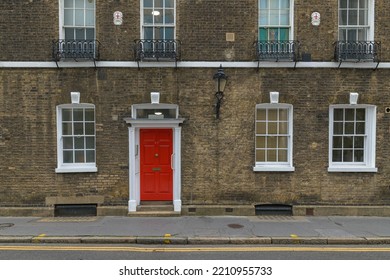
217	155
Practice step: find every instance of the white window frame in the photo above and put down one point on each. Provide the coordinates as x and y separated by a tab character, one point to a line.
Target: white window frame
368	164
72	167
277	166
370	21
62	20
290	25
159	24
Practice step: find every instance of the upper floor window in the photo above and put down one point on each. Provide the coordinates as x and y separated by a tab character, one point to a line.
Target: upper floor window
78	20
356	20
352	138
158	19
273	134
275	20
76	138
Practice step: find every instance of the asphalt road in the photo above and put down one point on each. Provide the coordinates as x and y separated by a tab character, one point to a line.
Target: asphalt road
164	252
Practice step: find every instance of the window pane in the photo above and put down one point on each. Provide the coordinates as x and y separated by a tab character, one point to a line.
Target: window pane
272	142
260	142
282	155
90	142
78	115
360	114
68	143
284	17
264	19
158	18
274	17
68	156
337	156
353	3
283	114
80	34
90	18
89	115
343	19
338	128
348	142
272	128
79	157
271	155
148	16
158	3
66	114
273	114
79	3
261	127
263	34
362	17
260	155
347	156
349	114
282	142
79	17
338	114
284	4
360	127
68	3
148	33
343	3
283	128
169	33
169	16
263	4
337	142
362	4
90	156
68	17
353	17
359	142
90	129
148	3
90	33
349	128
78	129
66	128
79	142
359	155
274	4
284	34
90	4
169	3
261	114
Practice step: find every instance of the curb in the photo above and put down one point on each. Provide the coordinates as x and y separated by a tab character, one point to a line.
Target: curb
211	240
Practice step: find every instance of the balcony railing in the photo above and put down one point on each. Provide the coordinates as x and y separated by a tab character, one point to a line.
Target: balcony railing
357	51
277	50
75	49
148	49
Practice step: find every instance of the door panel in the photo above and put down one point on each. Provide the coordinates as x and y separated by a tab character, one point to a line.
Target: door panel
156	170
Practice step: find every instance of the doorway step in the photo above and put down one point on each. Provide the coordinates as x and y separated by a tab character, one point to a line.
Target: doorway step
155	209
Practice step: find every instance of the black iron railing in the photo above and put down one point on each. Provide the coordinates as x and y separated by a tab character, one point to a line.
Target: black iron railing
147	49
75	49
357	51
277	50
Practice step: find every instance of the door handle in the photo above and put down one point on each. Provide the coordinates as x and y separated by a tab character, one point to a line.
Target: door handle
172	161
156	169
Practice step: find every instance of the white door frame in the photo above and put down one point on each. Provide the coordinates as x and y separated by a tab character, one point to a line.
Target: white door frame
134	158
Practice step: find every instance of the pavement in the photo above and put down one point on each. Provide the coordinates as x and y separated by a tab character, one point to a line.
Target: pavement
196	230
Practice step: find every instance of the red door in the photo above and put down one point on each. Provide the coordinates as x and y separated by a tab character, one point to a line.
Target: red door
155	163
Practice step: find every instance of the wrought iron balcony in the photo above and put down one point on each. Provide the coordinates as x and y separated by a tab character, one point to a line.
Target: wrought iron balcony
75	49
277	50
357	51
148	49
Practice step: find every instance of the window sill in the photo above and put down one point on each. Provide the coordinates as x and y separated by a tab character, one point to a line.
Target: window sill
352	169
278	168
76	169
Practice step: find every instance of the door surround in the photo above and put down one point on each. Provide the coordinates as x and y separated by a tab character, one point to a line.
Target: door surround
135	125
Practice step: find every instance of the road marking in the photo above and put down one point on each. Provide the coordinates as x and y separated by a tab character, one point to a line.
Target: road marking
37	239
192	249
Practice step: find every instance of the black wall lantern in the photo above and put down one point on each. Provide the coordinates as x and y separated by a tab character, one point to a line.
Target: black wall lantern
220	82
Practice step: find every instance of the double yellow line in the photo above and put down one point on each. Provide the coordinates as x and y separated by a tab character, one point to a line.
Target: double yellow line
191	249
